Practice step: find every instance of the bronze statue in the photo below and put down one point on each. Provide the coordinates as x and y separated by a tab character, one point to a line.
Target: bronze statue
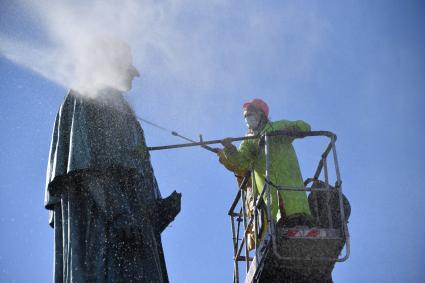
103	199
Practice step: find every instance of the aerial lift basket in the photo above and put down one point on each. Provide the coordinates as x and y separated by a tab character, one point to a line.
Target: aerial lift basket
280	251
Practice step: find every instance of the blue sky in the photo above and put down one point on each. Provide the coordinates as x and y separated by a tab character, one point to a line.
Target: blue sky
356	68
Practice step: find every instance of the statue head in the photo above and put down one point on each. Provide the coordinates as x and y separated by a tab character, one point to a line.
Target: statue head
111	63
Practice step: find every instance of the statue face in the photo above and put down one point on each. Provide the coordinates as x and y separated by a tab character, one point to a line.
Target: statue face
128	75
111	65
123	71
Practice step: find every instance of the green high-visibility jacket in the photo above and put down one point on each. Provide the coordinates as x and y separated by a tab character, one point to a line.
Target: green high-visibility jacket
284	167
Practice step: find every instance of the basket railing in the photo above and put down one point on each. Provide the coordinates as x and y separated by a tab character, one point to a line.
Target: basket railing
245	225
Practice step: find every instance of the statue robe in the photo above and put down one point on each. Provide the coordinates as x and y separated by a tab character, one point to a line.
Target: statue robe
98	190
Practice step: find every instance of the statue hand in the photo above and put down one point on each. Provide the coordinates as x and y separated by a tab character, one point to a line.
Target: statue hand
173	201
165	210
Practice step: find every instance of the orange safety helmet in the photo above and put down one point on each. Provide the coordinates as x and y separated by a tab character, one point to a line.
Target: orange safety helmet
257	103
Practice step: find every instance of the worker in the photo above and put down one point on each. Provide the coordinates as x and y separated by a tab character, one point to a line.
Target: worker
289	208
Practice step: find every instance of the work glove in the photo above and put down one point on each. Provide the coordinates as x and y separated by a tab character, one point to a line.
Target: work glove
219	151
292	130
227	143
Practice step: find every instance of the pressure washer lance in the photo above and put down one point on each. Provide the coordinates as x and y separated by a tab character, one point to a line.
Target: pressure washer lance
205	144
287	133
174	133
201	143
